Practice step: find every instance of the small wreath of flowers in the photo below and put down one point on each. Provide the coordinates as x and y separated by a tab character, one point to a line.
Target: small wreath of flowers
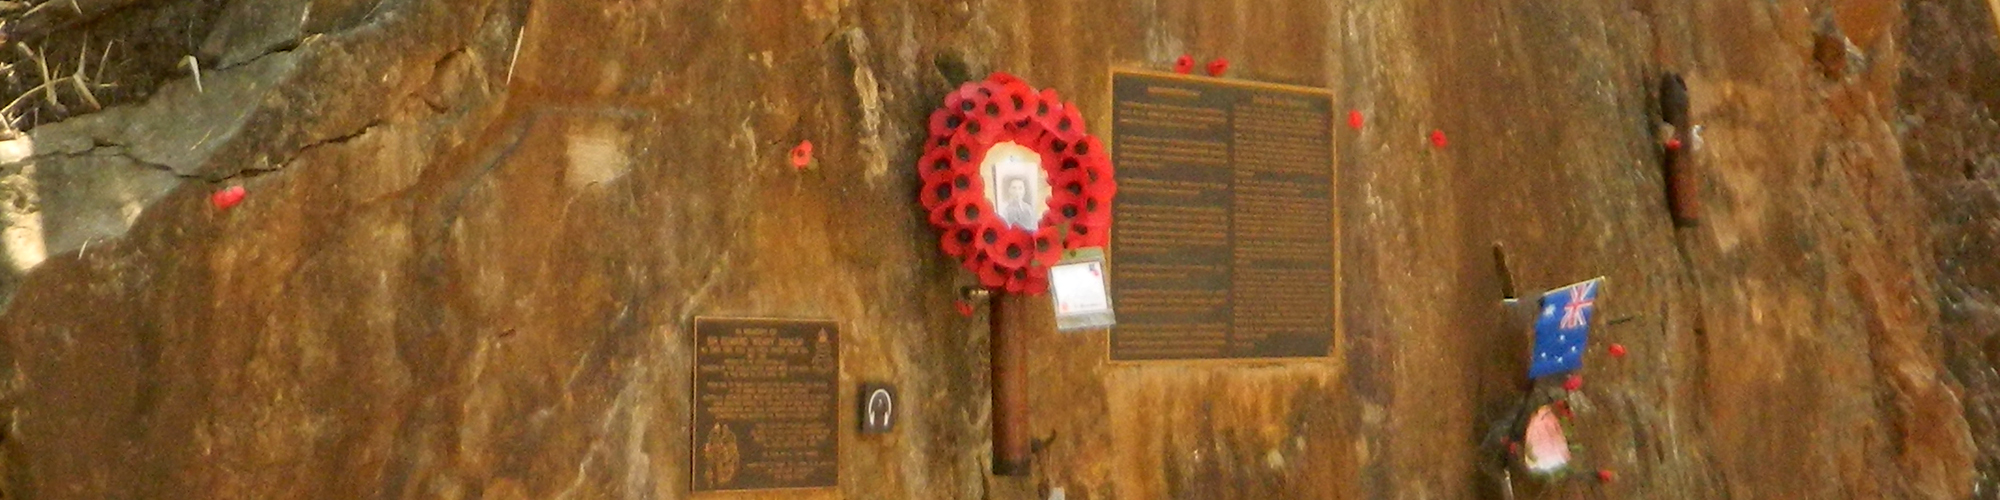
1074	165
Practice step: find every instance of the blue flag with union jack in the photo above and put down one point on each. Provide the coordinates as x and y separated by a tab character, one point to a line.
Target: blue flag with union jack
1563	329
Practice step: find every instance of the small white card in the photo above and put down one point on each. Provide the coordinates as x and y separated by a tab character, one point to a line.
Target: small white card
1078	286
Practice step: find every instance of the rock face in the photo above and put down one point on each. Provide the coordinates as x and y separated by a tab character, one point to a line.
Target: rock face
476	234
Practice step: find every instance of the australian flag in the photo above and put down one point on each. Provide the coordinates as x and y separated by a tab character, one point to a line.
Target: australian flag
1563	329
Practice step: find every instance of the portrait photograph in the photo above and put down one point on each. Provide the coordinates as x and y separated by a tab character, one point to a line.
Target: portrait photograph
1015	185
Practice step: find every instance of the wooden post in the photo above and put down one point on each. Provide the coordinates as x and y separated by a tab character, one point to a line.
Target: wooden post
1013	321
1683	185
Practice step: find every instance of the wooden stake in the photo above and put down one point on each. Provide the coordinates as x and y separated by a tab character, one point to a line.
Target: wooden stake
1013	320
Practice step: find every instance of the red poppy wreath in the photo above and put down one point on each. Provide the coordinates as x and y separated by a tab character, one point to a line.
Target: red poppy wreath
1012	180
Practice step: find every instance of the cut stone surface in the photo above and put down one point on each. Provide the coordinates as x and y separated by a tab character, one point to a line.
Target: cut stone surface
478	232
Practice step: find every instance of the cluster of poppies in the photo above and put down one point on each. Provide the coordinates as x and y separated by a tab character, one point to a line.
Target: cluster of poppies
1077	167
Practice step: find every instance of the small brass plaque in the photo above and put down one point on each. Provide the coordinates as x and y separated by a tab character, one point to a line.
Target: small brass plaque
765	394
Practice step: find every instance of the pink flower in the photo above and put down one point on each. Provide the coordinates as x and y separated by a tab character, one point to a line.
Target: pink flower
1548	449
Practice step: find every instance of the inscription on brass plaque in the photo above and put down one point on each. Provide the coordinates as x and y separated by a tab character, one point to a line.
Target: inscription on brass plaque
764	404
1222	244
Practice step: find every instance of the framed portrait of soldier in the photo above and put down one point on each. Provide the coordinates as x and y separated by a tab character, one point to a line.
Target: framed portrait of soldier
1016	185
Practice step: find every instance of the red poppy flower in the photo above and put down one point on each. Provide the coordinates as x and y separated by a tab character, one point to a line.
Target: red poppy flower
1021	101
1218	66
937	191
935	165
1437	139
1014	250
1093	208
993	102
1053	100
1617	350
1354	119
227	197
1004	78
1082	235
957	241
1184	65
971	209
1673	144
943	216
1066	124
1034	279
1573	383
943	123
1604	475
993	275
1047	250
964	308
984	130
802	155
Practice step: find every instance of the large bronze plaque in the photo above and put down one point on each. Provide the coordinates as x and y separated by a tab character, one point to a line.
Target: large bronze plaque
764	404
1222	243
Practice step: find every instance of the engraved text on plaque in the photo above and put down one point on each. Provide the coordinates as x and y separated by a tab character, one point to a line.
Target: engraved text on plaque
764	404
1222	244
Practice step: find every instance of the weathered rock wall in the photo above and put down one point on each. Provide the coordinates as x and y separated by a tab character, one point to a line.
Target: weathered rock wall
477	233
